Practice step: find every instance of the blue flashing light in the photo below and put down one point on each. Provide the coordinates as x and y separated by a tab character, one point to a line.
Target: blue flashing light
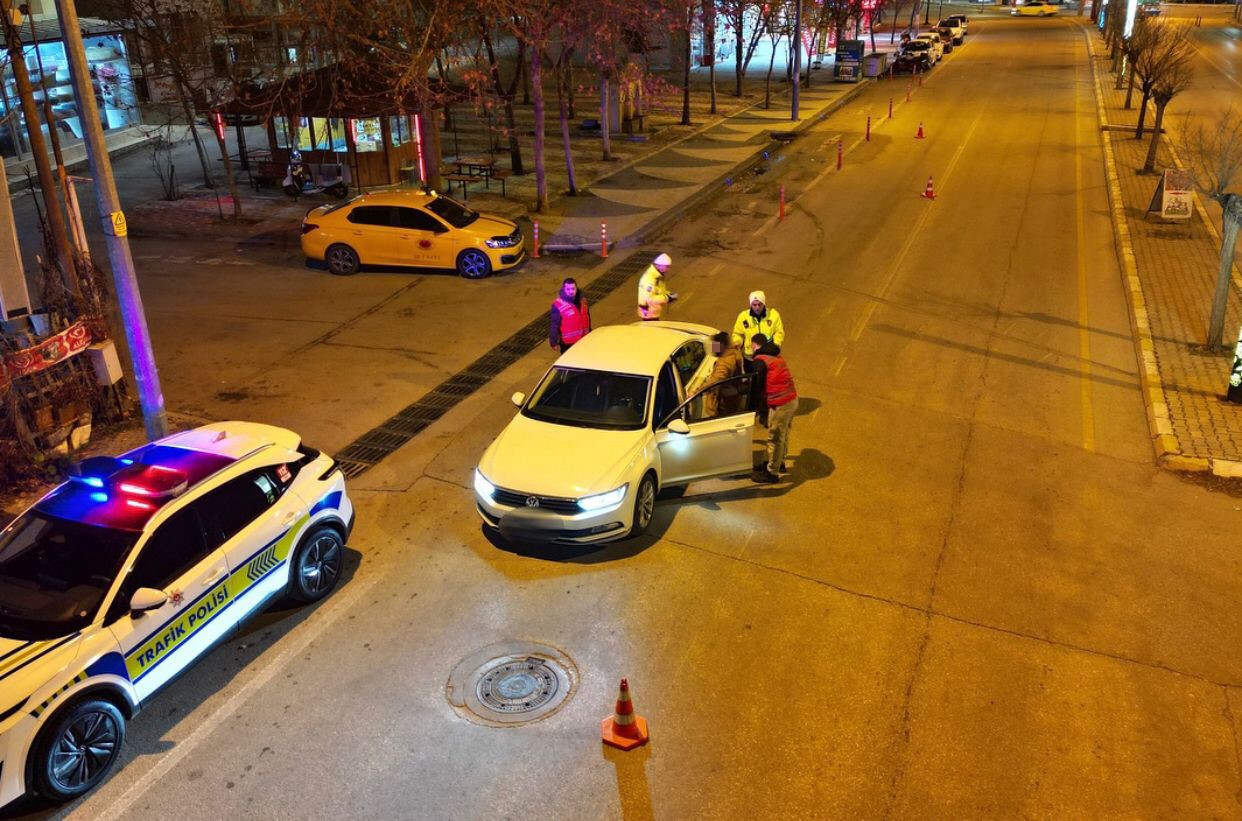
93	481
99	497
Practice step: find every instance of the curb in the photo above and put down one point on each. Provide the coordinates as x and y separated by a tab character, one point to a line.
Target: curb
1168	450
660	222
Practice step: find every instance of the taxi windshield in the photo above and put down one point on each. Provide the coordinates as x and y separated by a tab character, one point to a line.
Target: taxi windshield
54	574
452	212
591	399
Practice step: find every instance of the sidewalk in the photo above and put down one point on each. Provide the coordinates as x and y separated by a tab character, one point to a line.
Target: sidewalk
119	143
1171	272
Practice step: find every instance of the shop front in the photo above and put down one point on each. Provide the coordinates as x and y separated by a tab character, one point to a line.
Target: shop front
48	66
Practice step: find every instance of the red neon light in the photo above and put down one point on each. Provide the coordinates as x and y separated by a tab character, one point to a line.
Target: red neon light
218	119
418	147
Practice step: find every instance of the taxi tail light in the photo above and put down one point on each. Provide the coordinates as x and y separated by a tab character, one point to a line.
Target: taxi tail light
307	227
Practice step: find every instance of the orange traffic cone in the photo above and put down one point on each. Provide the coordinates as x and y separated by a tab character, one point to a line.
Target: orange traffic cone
919	135
624	730
929	193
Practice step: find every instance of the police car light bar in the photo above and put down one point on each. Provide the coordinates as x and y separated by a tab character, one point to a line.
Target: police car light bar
150	481
95	470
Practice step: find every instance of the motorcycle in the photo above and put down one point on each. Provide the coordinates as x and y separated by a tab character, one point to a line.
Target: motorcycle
299	180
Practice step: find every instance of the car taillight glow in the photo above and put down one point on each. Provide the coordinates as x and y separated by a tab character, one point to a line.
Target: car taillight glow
307	227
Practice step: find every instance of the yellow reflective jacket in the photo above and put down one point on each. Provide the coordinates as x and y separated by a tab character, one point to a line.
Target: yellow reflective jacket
652	294
770	325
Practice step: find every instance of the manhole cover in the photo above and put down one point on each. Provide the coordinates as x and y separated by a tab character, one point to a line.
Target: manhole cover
511	683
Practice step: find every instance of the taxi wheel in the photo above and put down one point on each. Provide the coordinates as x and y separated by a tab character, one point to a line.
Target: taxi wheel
77	749
473	264
644	505
342	260
316	565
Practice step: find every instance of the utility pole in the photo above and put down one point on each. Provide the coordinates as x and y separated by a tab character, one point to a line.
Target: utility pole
61	248
797	60
142	358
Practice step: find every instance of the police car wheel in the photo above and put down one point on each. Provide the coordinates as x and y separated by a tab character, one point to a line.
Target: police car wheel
644	505
316	565
77	749
473	264
342	260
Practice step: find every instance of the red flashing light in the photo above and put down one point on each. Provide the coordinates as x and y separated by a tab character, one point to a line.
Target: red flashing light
217	120
140	504
151	481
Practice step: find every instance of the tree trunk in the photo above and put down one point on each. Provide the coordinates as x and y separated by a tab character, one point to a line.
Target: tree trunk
740	49
1138	132
208	179
1123	68
767	85
541	177
604	124
561	82
429	142
230	179
1150	165
685	91
1130	92
1231	204
506	96
525	83
570	89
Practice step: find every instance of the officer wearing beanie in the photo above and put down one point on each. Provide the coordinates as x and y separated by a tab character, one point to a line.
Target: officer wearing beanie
758	319
653	294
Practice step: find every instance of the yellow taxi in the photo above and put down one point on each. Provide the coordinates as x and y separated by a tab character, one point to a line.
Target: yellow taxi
414	228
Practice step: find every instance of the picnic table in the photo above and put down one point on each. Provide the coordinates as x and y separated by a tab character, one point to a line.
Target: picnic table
473	169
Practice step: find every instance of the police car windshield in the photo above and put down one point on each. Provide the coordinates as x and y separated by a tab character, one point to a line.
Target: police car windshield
452	212
591	399
54	574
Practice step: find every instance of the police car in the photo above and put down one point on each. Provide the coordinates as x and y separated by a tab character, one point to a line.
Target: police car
123	576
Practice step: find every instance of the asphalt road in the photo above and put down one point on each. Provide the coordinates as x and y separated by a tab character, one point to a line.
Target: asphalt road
975	597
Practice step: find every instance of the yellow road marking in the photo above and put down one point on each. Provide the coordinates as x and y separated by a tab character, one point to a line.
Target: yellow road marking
1084	334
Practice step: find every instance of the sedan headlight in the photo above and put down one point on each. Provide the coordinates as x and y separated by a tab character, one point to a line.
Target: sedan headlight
603	501
483	487
501	242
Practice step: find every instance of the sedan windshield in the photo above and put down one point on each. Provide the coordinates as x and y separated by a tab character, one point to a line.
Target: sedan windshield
591	399
452	212
54	574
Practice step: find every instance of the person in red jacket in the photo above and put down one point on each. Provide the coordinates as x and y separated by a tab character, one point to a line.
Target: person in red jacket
570	319
782	402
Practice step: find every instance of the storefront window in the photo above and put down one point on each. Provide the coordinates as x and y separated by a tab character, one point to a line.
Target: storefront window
367	136
49	74
329	134
306	140
281	127
399	130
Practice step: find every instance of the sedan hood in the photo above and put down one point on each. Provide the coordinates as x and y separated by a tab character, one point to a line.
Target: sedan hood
544	459
492	226
27	665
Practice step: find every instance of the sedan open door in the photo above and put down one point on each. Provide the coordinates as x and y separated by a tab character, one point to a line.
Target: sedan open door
710	434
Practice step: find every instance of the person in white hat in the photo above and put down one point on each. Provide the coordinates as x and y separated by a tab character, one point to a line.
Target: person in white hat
758	319
653	293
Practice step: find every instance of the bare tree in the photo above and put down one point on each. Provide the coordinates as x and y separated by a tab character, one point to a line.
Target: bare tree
1134	47
1213	150
1169	42
1174	76
737	13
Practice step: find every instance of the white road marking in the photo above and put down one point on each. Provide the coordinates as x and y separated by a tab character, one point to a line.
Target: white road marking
295	644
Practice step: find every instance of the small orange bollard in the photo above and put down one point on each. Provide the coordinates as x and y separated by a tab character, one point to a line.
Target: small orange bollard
868	128
840	155
920	76
890	108
929	193
624	730
919	134
782	211
534	241
603	240
909	86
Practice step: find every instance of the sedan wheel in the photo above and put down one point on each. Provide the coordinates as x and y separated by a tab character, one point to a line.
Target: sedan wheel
342	260
78	749
316	565
473	264
644	505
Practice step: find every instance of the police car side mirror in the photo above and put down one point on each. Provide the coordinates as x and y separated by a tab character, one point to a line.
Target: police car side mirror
678	426
146	598
518	398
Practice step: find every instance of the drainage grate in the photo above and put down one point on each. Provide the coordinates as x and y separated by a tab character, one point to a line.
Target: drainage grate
511	683
374	446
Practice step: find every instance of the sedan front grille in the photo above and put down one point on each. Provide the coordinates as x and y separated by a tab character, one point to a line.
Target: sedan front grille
510	498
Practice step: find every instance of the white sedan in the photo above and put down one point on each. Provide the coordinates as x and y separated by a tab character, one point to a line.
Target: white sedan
620	416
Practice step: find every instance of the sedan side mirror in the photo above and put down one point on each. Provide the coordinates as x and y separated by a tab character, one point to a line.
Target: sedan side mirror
147	598
678	426
518	399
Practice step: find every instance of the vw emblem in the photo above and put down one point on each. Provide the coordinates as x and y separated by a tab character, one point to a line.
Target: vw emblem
532	501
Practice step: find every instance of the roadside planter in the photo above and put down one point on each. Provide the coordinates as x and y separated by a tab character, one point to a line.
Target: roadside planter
875	64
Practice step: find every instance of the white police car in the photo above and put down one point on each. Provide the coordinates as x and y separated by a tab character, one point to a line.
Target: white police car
120	578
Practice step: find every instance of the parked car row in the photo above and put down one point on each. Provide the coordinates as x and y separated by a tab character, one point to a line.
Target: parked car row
927	49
